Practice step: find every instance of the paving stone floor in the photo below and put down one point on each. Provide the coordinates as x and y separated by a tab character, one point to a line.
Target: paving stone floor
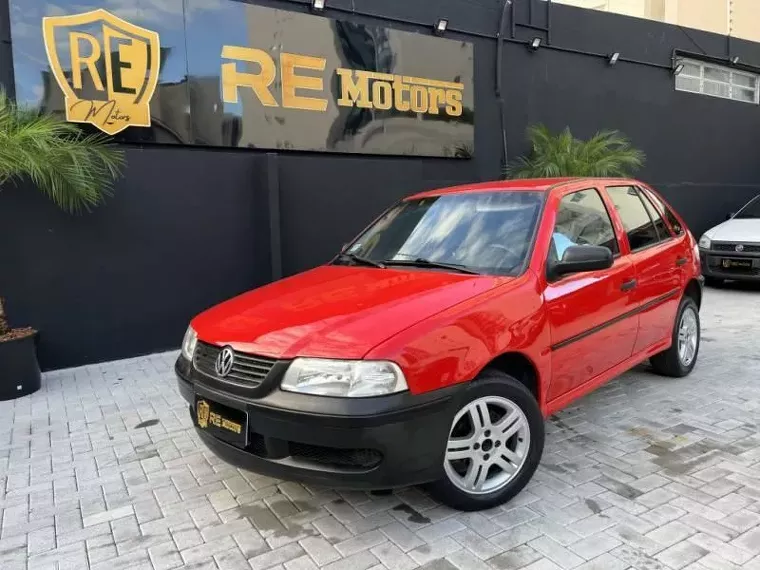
101	469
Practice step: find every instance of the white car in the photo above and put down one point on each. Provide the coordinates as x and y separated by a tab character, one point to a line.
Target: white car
731	250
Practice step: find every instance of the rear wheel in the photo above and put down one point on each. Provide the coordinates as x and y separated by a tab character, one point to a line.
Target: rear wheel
680	358
494	445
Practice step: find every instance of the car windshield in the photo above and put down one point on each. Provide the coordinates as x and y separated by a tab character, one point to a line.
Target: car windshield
483	232
751	210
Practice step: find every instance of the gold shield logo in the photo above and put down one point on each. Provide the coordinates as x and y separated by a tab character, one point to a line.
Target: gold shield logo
203	413
106	67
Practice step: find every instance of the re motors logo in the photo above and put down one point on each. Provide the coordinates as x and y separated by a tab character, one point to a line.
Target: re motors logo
121	62
302	80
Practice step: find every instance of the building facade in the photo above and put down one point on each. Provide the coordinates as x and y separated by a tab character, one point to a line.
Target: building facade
736	18
266	151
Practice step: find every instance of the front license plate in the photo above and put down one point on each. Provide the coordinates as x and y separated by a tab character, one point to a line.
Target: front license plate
221	421
737	264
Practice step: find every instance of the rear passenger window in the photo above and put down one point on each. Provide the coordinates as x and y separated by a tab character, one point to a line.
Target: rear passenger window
659	223
582	219
669	215
641	229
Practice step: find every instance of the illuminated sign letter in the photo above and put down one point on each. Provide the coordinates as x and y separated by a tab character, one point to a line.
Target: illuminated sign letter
354	92
259	82
292	81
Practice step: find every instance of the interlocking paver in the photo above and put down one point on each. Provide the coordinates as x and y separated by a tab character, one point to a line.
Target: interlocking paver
646	472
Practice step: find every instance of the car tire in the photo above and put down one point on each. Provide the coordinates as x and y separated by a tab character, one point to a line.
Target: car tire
679	360
476	472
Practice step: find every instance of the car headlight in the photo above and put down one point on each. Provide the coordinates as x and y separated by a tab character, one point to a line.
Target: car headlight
343	378
188	343
705	242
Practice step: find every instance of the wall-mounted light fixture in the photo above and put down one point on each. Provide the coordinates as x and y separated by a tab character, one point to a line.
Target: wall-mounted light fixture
535	44
613	59
317	5
735	59
440	26
677	68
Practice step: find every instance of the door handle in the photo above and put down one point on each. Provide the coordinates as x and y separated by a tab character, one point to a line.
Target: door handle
681	261
628	285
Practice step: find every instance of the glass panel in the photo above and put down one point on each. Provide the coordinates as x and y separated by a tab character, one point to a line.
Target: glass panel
688	84
747	95
744	80
582	219
487	232
691	70
674	223
716	89
716	74
639	227
659	223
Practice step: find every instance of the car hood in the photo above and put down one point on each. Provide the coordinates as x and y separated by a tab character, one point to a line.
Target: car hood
334	311
736	230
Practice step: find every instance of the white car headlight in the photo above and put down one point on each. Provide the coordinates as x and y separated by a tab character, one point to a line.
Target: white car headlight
705	242
343	378
188	343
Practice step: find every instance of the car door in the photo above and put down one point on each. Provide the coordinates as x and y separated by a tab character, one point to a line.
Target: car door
592	329
658	258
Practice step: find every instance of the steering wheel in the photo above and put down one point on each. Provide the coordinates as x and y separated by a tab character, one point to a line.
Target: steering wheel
508	252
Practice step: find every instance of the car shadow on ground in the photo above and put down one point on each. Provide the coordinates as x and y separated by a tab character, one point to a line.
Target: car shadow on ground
736	286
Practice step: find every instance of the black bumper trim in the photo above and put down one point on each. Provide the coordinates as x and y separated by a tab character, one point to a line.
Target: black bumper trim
408	432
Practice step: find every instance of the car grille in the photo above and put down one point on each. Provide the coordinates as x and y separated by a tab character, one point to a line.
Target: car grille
247	370
748	248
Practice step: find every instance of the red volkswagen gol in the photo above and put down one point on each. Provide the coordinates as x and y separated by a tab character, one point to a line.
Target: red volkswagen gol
433	346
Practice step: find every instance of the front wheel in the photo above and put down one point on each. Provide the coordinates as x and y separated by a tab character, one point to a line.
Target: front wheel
494	445
679	360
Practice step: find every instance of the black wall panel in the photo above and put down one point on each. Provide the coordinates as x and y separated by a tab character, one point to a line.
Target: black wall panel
180	234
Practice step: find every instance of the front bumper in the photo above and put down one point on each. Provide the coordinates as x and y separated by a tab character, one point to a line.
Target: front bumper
362	443
712	265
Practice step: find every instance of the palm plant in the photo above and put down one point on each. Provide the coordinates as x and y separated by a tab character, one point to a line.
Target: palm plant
75	170
607	153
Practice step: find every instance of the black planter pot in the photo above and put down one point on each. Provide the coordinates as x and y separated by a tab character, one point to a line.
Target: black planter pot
19	371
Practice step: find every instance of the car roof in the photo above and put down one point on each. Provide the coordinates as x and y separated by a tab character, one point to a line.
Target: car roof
519	185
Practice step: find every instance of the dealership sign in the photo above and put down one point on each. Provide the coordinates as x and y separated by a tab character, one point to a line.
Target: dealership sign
251	76
122	87
360	88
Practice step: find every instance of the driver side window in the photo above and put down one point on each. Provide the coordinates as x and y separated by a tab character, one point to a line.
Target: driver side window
582	219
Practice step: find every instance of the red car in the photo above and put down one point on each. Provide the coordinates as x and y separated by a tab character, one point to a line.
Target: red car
431	349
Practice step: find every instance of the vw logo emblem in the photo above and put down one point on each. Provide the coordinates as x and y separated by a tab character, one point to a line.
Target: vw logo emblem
224	361
739	247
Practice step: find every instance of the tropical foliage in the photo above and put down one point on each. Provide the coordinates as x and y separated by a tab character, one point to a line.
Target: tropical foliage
75	170
607	153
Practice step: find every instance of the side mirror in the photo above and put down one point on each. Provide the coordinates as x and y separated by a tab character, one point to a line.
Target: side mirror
578	258
730	215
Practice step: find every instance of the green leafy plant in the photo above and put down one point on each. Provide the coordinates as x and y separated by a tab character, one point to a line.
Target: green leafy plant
75	170
607	154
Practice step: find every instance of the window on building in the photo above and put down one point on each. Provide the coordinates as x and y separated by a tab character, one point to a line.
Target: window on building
582	219
637	221
718	81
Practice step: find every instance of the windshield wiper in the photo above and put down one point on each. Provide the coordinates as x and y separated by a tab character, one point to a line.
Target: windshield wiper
359	260
422	262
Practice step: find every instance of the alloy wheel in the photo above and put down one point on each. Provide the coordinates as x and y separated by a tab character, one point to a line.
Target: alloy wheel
488	445
688	337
